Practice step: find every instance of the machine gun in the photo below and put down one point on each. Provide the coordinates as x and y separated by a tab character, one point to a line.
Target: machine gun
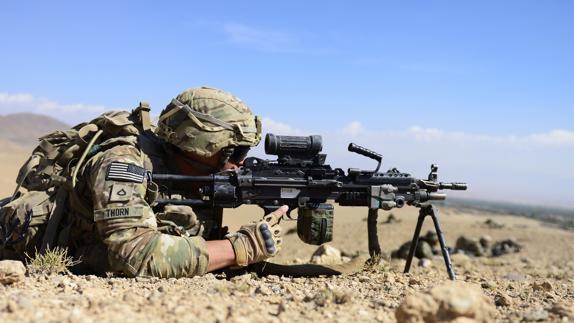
300	179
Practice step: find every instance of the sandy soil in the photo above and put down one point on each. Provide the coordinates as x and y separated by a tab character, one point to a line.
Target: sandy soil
531	281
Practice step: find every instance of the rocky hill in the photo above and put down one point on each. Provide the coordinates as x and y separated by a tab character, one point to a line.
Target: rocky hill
18	135
23	129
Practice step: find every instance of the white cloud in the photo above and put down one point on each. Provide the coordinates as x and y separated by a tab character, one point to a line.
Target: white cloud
555	137
279	128
24	102
354	128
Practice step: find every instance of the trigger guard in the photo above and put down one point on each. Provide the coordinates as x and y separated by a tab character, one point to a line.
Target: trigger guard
289	215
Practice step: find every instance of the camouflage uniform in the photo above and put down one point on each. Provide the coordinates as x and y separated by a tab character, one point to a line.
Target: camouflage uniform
125	222
201	121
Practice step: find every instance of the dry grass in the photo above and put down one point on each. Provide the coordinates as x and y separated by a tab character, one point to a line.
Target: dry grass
52	262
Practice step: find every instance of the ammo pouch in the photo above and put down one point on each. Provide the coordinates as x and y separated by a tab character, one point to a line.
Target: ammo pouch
23	223
315	225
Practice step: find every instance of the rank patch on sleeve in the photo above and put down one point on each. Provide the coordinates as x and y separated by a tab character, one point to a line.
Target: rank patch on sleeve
124	172
121	192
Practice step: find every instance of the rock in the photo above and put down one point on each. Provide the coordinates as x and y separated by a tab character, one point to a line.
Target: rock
431	237
491	224
505	247
277	290
545	286
364	279
563	310
470	247
425	263
424	250
402	252
448	302
417	308
11	272
12	307
485	241
264	290
487	285
501	299
460	259
330	295
514	277
526	260
326	255
413	281
536	316
243	279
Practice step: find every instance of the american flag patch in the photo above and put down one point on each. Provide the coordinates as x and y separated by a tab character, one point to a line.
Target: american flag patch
126	173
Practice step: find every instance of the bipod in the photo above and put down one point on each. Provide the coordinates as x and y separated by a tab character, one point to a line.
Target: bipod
374	246
432	211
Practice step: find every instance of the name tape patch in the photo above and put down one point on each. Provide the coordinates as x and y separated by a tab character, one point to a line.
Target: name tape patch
125	172
118	213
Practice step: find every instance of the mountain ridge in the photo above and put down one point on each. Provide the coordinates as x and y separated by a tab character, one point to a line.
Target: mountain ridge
24	129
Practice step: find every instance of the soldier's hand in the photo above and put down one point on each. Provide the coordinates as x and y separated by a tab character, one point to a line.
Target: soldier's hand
258	241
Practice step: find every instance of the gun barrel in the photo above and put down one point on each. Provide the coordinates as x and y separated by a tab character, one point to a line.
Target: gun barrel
453	186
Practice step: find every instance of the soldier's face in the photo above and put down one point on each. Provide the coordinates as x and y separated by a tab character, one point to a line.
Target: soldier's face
212	162
230	165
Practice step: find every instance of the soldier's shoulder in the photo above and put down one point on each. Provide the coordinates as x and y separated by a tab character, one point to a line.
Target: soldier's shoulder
124	153
121	150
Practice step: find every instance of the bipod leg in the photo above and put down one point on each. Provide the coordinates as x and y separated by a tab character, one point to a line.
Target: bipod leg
415	240
432	211
374	246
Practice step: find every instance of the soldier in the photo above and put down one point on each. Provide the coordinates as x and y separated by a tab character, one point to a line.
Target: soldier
109	223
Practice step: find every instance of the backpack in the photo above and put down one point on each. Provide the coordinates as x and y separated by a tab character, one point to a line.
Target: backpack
30	218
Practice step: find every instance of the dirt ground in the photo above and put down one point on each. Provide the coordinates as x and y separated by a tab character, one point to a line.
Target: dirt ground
531	281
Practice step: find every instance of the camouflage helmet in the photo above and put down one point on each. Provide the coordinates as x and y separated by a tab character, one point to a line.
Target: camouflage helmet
206	120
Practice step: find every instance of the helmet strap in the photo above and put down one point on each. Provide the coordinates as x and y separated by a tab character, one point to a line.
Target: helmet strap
226	153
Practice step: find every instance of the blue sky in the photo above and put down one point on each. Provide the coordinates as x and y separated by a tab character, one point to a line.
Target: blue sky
482	77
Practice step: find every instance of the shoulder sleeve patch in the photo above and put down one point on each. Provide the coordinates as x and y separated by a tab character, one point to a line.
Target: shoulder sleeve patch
124	172
121	192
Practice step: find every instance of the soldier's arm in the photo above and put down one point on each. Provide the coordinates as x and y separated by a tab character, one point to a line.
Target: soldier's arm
128	225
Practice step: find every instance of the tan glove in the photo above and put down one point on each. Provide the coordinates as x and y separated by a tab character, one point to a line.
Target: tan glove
258	241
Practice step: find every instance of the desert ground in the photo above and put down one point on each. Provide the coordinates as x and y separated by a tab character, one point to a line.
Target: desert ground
535	284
